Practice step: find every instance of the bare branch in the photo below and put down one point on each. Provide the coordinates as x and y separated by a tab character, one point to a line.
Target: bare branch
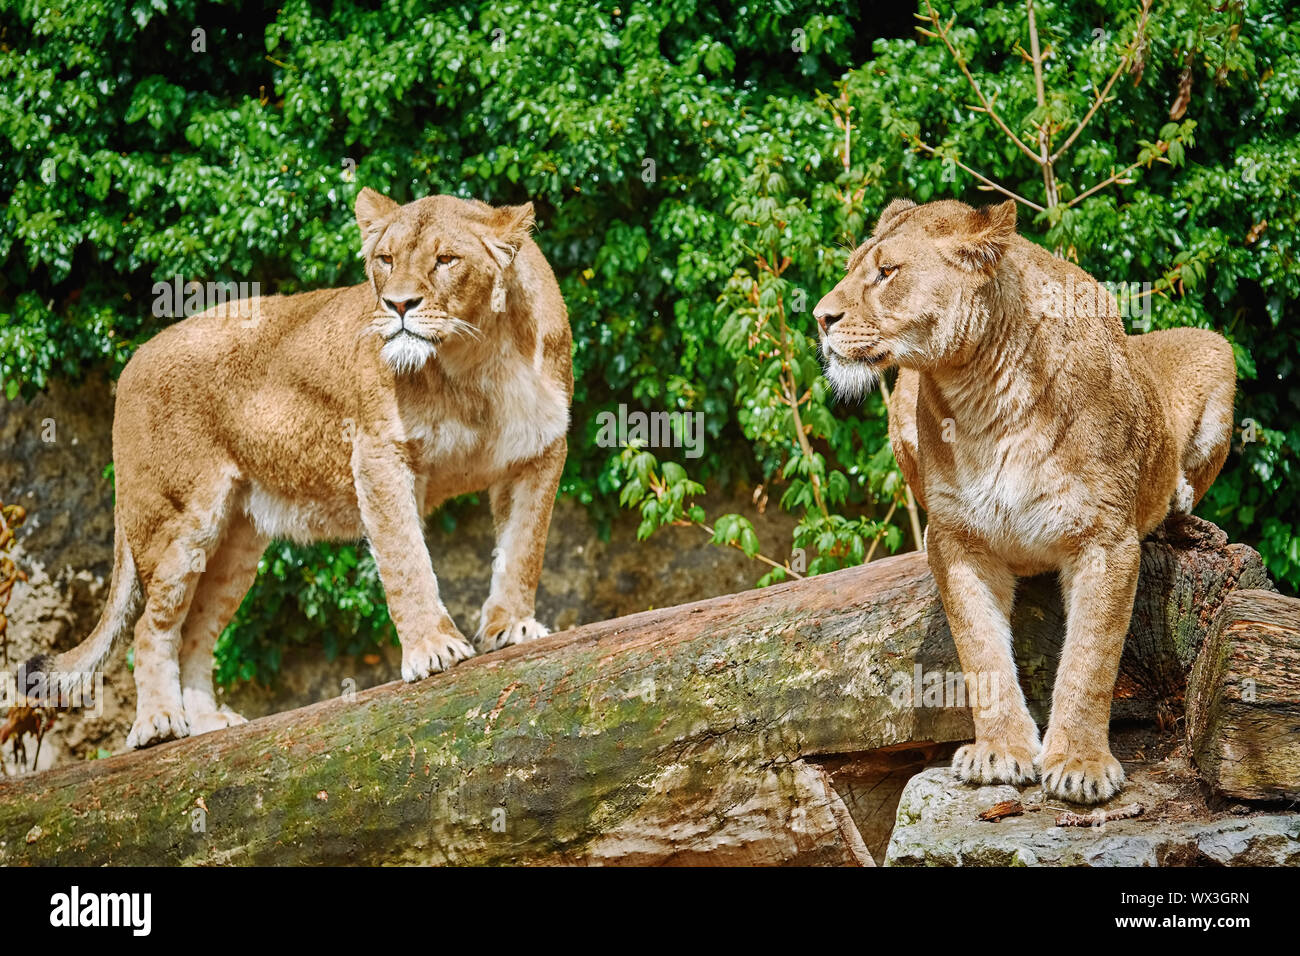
986	105
893	506
921	144
1040	93
1036	57
1113	178
1124	62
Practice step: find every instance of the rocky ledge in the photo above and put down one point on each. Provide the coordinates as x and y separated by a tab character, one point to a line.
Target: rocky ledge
938	824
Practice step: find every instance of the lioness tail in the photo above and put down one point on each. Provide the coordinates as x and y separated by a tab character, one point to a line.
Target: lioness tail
50	679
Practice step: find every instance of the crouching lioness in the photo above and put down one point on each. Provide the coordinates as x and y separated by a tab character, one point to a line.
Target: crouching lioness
1039	437
335	415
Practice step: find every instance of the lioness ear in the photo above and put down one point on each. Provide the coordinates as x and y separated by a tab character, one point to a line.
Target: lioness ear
891	213
510	226
372	209
982	238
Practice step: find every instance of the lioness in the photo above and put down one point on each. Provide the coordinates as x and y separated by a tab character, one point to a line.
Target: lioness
1039	437
335	415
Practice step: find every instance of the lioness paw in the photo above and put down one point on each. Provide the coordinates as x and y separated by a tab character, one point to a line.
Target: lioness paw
429	655
202	723
154	725
1081	778
995	762
494	636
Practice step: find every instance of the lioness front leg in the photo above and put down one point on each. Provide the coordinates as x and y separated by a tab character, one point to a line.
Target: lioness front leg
385	493
521	512
977	592
1099	587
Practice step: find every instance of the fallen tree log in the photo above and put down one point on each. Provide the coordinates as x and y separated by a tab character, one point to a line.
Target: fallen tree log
688	734
1243	700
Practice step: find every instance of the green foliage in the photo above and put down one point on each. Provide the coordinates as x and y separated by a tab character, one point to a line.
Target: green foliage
783	403
323	594
129	158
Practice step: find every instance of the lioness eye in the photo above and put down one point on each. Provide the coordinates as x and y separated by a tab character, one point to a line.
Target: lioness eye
386	260
446	260
886	272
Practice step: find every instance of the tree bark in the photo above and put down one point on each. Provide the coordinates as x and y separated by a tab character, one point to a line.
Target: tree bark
684	735
1188	571
1243	700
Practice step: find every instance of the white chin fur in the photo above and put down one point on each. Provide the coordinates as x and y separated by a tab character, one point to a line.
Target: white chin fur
407	354
851	380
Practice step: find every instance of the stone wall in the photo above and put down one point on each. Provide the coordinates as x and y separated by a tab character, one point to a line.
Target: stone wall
53	453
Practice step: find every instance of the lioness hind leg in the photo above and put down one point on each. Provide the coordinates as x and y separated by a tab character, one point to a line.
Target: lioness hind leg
222	586
1210	442
521	511
1196	373
168	574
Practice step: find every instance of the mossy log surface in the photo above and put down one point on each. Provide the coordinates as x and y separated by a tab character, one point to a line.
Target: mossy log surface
683	735
1243	700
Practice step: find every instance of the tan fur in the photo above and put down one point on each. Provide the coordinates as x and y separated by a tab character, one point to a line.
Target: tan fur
1039	437
320	419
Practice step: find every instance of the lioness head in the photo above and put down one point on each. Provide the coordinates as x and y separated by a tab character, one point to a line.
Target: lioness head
908	296
440	270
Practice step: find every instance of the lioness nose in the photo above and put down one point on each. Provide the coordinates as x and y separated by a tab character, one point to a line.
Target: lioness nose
828	319
402	306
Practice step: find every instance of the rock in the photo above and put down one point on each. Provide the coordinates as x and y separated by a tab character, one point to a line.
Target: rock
1259	841
938	825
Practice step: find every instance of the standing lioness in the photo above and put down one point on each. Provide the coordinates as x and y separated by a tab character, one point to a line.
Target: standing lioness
333	415
1039	437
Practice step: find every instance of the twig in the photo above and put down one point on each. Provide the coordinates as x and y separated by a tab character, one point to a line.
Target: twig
999	811
1098	817
921	144
1125	60
986	105
893	506
1113	178
684	522
1040	94
787	384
